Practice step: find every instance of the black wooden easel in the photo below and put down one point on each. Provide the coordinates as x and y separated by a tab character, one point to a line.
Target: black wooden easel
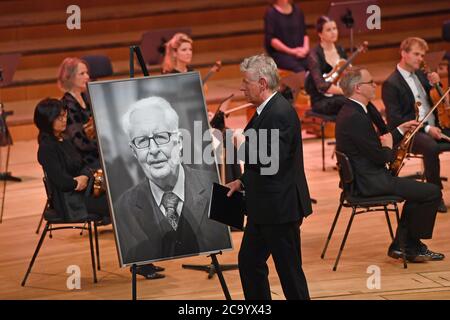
214	267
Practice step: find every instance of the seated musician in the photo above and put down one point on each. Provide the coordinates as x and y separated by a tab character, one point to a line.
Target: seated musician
404	87
368	150
326	98
67	174
285	37
72	79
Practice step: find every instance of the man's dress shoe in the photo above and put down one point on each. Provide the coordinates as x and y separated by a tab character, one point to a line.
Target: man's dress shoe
442	207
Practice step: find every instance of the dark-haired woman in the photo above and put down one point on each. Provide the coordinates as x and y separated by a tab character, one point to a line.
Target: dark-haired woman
326	98
67	174
285	35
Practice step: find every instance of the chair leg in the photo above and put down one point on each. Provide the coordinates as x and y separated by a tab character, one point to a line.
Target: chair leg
401	240
42	218
41	240
388	222
397	214
94	271
322	129
345	238
331	230
97	250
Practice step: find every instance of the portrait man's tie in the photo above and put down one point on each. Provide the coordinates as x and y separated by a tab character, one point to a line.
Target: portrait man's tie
170	202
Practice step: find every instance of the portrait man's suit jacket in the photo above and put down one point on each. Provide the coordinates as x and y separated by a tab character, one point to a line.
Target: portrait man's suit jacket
145	234
284	196
399	100
357	135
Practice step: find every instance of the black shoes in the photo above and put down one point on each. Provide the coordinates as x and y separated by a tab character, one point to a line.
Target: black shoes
149	271
442	207
421	255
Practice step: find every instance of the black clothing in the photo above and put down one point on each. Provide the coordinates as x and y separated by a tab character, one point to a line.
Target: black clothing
316	86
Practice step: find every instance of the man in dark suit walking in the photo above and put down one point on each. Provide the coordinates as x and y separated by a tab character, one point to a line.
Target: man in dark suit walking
407	85
276	191
363	136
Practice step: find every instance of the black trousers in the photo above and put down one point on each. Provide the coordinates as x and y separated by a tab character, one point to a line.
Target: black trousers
419	211
430	149
283	242
329	105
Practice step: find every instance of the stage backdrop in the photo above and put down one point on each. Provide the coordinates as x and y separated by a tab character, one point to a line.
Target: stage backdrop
143	229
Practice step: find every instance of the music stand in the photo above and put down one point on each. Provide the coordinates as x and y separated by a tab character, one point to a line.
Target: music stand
350	17
153	43
8	65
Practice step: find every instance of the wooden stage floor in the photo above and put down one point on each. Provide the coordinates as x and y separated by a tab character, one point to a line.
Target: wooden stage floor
366	247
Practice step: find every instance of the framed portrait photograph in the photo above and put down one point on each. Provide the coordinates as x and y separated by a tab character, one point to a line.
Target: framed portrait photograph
159	164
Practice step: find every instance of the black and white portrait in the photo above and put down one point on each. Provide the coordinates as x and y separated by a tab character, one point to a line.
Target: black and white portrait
159	166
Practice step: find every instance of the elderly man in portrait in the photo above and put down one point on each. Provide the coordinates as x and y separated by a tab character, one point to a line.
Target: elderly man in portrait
166	214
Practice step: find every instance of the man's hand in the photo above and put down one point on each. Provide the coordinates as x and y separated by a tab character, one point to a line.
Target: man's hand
235	185
435	132
82	182
386	140
433	77
408	125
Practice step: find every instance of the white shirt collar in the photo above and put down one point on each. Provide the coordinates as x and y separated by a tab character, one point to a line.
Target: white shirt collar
262	105
361	104
406	74
178	188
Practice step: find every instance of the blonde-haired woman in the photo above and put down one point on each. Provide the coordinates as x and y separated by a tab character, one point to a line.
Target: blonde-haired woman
73	77
178	54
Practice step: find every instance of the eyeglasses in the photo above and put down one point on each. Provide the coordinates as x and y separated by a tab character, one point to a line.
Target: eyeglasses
371	82
160	138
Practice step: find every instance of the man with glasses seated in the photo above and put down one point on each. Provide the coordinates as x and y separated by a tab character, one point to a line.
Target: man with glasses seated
166	214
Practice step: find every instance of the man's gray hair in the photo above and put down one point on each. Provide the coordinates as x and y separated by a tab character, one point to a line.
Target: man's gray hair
262	66
150	105
350	79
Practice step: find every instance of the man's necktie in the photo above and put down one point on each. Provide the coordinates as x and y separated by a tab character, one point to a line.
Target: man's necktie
421	91
170	201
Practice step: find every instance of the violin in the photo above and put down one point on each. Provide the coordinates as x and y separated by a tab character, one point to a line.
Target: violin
336	73
215	68
437	92
99	186
404	146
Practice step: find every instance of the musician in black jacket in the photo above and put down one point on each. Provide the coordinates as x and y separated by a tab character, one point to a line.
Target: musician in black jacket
404	87
326	97
67	174
363	136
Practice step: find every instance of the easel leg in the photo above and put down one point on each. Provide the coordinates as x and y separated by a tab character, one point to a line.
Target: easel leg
215	262
133	282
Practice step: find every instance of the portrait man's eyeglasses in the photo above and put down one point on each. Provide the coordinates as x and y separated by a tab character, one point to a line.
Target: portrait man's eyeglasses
160	138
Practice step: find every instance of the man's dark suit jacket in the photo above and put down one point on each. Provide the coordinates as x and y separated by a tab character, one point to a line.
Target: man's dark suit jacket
284	196
399	99
357	137
144	234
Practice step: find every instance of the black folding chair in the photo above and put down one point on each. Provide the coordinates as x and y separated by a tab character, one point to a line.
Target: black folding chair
359	205
57	221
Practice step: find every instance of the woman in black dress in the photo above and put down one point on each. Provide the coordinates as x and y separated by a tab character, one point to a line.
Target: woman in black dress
285	35
72	79
326	98
66	173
